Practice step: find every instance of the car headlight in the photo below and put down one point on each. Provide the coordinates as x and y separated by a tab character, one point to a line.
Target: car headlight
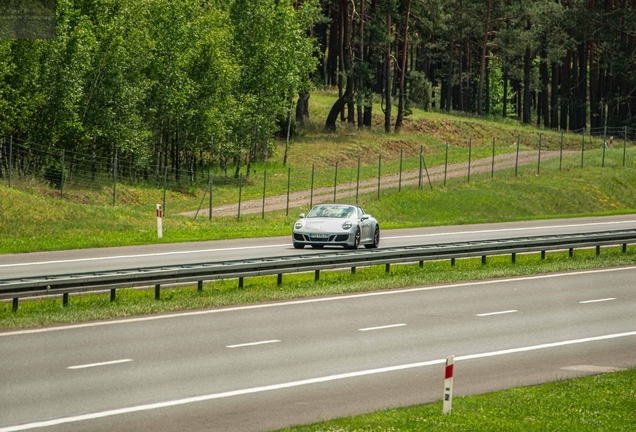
298	225
347	225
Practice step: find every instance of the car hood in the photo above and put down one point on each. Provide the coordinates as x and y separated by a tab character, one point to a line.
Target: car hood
324	224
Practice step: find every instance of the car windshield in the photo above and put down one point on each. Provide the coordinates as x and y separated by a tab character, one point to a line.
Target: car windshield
331	211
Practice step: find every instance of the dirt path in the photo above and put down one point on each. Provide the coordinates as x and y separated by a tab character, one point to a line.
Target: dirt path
344	191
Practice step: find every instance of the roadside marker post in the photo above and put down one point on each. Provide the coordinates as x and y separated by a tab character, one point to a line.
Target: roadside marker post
448	385
159	221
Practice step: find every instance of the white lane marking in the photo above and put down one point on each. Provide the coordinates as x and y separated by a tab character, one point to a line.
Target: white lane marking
314	300
497	313
382	327
597	301
142	255
108	363
287	244
508	229
213	396
253	343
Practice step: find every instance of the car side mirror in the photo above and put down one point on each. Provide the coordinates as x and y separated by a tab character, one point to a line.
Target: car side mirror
302	216
365	217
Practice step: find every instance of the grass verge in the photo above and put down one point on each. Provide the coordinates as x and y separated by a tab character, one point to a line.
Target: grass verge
598	403
131	302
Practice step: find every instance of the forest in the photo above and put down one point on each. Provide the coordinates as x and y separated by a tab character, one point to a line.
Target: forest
175	83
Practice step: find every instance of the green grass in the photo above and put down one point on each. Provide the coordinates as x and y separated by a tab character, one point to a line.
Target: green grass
131	302
598	403
31	222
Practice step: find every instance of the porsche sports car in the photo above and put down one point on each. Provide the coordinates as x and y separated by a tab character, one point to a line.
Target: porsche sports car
344	225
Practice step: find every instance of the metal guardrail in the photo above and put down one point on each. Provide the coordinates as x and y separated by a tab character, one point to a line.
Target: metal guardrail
113	280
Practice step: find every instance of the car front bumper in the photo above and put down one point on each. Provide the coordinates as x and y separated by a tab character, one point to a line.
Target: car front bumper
335	239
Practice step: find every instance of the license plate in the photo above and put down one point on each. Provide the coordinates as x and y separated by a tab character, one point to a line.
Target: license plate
319	236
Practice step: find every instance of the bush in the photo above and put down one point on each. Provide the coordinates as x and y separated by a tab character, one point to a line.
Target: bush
419	90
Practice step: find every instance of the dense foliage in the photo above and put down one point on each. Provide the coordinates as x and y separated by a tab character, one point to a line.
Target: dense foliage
174	84
164	80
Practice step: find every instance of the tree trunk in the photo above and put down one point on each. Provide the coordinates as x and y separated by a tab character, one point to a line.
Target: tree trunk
527	70
387	78
554	97
482	68
400	116
545	81
338	106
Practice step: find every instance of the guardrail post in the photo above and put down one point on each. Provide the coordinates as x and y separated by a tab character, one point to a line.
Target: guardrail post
353	270
200	285
452	262
483	260
571	253
113	294
241	284
387	268
15	304
316	275
514	258
279	279
542	255
157	292
421	263
65	299
598	250
624	247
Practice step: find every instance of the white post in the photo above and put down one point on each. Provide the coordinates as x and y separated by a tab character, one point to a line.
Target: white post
159	218
448	385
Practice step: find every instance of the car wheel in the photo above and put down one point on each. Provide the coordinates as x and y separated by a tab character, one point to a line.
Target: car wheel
317	246
356	240
298	246
376	239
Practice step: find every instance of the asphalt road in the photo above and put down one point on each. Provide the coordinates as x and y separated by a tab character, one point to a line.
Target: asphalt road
262	367
93	260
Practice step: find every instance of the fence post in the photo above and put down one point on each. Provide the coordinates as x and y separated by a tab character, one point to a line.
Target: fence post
400	179
517	159
210	209
561	152
358	181
446	165
379	174
624	145
165	188
335	182
311	196
427	176
264	189
419	181
288	185
115	179
492	169
62	180
10	159
470	154
582	147
603	158
539	159
240	196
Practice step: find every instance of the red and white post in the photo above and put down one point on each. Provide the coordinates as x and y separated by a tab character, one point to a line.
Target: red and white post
448	385
159	223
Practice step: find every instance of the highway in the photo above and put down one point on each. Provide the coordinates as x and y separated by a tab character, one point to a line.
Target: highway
94	260
268	366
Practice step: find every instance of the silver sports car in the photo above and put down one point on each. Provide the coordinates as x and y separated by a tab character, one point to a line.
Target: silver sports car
338	225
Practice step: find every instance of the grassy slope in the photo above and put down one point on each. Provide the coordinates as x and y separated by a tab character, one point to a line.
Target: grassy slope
33	218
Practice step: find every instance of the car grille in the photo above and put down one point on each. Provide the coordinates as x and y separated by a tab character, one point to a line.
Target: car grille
331	238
